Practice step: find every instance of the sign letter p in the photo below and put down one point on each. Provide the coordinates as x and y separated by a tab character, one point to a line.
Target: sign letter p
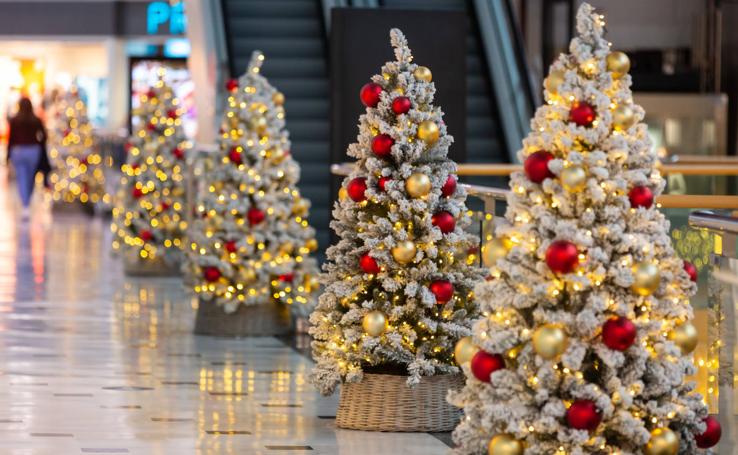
156	14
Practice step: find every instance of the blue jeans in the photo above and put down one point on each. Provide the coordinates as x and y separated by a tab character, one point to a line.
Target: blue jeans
25	159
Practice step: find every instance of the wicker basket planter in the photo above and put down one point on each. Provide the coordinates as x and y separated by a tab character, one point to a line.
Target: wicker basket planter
268	319
383	402
156	268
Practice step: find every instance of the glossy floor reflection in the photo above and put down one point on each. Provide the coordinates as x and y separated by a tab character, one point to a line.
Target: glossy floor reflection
93	362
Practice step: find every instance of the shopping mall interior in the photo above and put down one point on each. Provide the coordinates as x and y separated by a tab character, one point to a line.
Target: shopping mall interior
354	227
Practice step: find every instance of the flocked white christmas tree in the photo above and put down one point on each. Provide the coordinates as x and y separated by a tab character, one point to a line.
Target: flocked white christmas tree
587	336
398	287
251	242
148	219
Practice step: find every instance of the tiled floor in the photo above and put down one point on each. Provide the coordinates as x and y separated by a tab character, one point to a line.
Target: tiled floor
92	362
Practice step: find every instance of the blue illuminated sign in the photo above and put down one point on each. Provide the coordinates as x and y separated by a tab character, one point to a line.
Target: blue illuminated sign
162	13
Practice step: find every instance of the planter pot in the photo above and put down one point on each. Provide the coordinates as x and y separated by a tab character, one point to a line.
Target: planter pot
383	402
76	207
268	319
148	268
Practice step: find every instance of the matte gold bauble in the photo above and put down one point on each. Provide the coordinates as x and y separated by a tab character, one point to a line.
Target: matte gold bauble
418	185
301	207
623	117
505	444
646	278
258	124
550	341
685	336
494	250
554	80
618	64
374	323
573	179
342	194
234	121
663	442
278	98
464	350
428	132
248	274
423	73
404	252
311	244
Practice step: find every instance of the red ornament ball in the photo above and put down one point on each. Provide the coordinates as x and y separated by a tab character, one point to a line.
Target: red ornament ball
382	145
382	182
536	166
583	415
562	256
286	277
449	187
151	94
232	85
401	105
172	113
255	216
230	246
443	290
712	434
582	114
164	206
151	127
444	221
178	153
235	156
146	235
368	264
136	193
640	196
369	94
691	271
619	333
211	274
356	189
483	364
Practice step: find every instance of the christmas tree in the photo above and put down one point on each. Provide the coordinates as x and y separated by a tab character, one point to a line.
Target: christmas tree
588	336
250	241
77	165
147	221
398	287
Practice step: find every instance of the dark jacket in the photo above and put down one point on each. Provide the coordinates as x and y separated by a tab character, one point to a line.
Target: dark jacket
30	132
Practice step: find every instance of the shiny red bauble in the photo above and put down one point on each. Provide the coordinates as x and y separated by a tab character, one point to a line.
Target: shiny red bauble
449	187
146	235
230	246
172	113
211	274
382	182
368	264
356	189
382	145
401	105
562	256
235	156
136	193
536	166
164	206
583	415
582	114
444	221
691	271
151	127
619	333
640	196
286	277
369	94
711	435
151	94
232	85
483	364
255	216
178	153
443	290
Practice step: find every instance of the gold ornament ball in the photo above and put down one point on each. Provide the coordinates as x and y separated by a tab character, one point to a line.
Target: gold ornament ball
494	250
647	278
423	73
505	444
428	132
278	98
248	274
618	63
554	80
342	194
685	336
311	244
404	252
374	323
418	185
573	179
663	442
550	341
623	117
259	124
464	350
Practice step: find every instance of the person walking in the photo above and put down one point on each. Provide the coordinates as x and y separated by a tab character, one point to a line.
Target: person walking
26	144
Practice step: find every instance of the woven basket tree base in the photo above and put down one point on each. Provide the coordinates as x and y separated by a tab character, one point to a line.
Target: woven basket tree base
150	268
383	402
267	319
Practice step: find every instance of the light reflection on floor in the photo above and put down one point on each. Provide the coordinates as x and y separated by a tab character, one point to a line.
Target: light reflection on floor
93	362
